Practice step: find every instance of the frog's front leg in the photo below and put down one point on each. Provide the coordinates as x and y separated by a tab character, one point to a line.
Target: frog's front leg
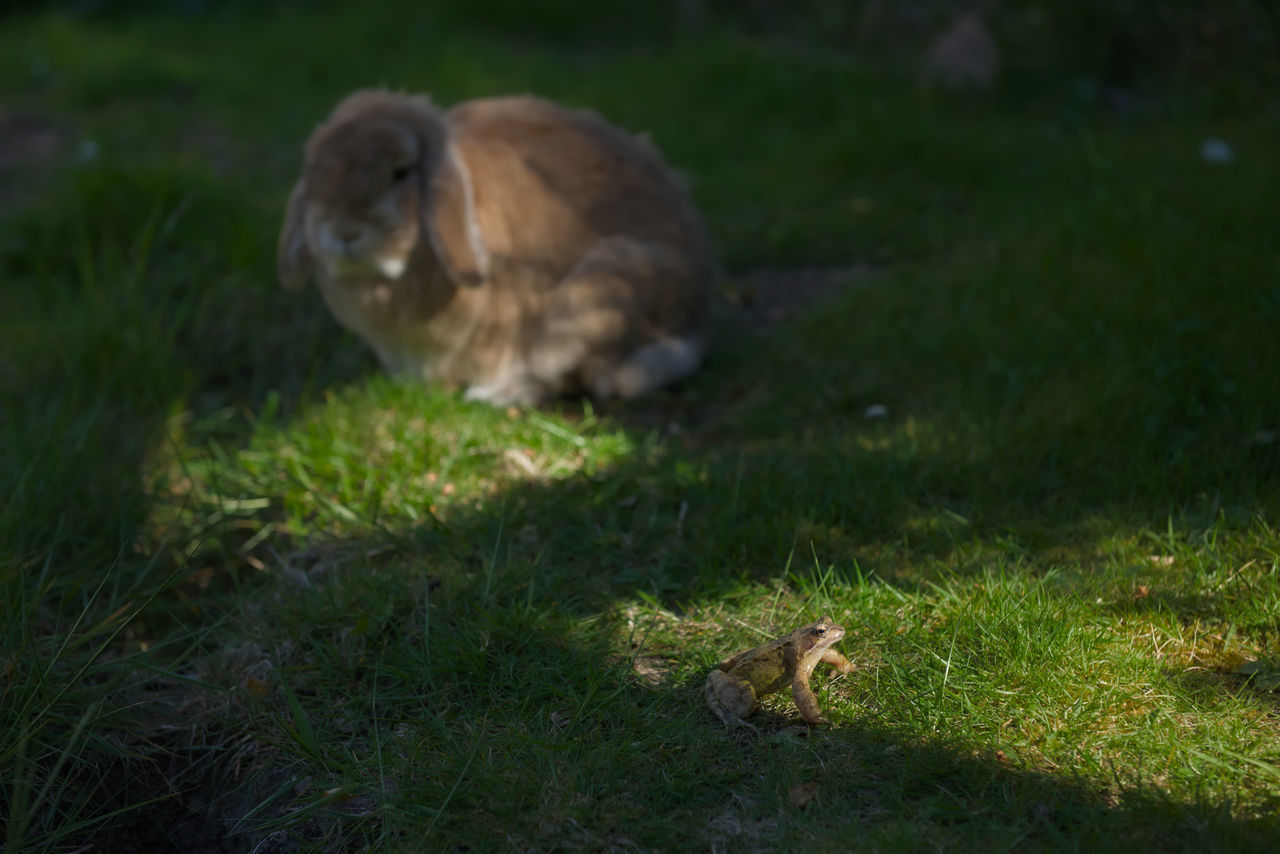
731	698
838	661
806	700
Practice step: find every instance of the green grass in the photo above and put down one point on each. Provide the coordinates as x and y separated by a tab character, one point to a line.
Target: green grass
251	587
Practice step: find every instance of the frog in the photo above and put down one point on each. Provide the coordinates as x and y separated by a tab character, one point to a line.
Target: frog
735	687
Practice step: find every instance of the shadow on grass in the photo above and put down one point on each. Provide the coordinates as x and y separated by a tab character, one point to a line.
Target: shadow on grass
125	312
131	322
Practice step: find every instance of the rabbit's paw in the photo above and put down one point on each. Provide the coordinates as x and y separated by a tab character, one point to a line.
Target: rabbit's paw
511	390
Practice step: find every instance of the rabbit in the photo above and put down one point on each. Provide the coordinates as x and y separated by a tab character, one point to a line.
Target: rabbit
511	246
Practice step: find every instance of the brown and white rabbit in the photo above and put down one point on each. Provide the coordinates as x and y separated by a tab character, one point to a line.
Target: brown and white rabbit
511	246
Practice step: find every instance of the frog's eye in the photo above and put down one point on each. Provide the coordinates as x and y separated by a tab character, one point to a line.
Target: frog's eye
819	630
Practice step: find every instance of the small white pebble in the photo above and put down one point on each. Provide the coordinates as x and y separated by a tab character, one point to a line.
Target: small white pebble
876	410
1216	151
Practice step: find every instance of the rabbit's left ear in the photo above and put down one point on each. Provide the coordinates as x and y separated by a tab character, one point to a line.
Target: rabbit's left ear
450	216
294	264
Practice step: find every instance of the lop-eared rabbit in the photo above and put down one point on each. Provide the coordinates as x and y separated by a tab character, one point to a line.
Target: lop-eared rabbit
510	246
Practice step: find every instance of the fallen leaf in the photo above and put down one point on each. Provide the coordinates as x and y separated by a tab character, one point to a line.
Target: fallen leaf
801	793
257	688
1142	592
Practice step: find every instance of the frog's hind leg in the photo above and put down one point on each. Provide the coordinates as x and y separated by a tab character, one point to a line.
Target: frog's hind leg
729	663
731	699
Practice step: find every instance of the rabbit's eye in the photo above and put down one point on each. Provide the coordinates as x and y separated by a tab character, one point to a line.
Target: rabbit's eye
400	173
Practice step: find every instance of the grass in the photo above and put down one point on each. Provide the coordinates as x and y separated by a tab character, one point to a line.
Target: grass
256	593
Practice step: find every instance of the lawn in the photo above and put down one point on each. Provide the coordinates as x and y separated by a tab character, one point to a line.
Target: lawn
1025	448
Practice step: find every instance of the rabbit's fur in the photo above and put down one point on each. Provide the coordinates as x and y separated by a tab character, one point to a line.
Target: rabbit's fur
511	246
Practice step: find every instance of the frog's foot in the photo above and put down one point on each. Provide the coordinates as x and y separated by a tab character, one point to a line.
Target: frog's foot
730	698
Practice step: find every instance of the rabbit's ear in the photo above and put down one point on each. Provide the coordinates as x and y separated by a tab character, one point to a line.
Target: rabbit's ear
293	259
450	216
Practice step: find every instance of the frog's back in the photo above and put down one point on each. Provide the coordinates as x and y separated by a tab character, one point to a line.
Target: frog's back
765	669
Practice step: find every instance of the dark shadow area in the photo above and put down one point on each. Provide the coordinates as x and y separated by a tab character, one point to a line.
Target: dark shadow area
134	295
1111	47
129	325
562	23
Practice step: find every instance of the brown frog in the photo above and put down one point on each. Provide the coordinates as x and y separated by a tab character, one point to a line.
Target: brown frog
734	687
